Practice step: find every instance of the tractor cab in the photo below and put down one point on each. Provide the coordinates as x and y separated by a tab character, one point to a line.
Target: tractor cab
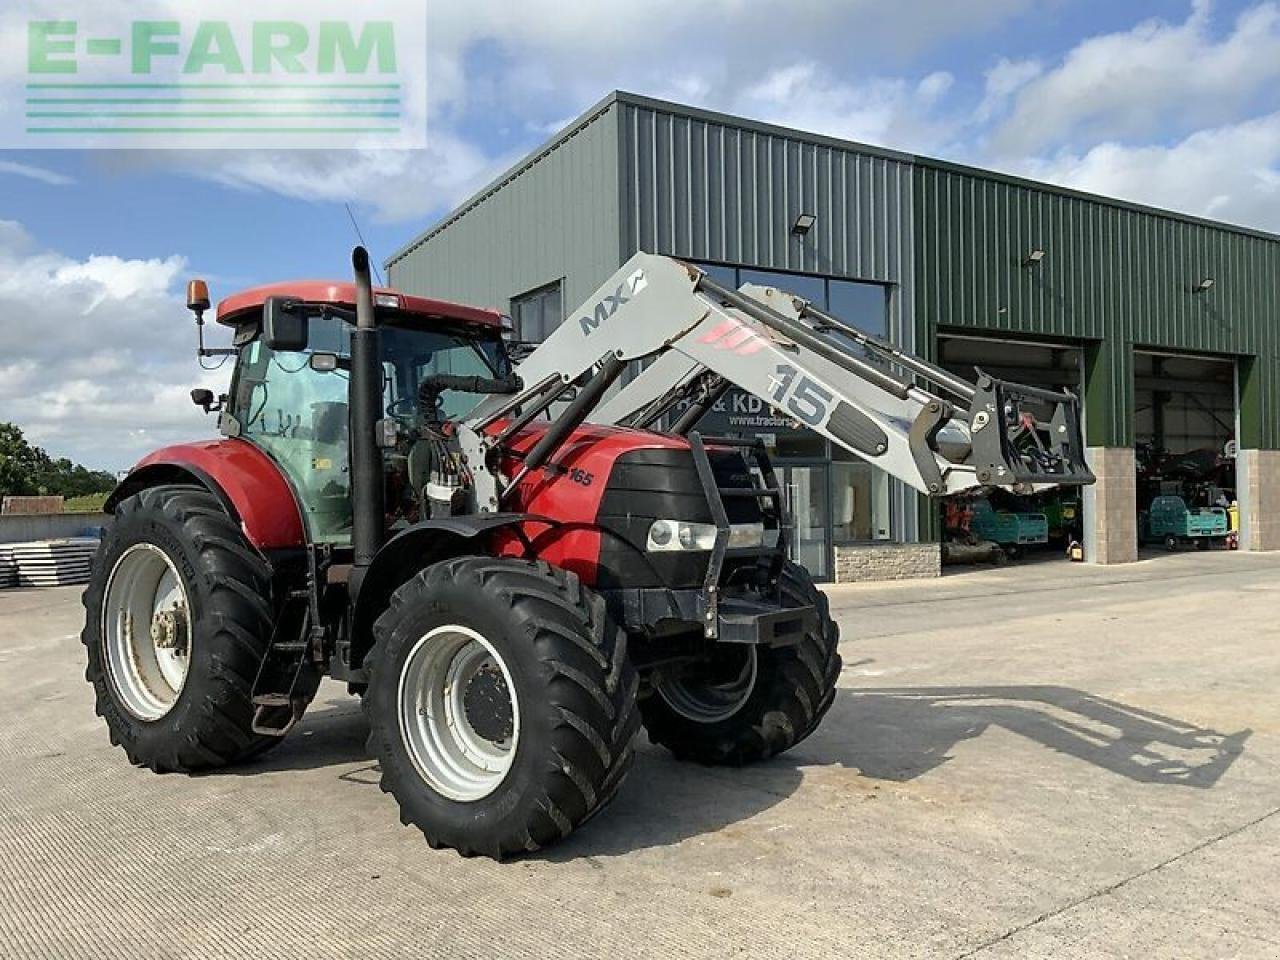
289	389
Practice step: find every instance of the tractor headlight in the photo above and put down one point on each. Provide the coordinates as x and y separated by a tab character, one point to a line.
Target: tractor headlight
665	535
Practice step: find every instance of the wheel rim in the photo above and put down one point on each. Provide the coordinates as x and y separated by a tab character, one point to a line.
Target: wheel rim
146	631
459	713
710	702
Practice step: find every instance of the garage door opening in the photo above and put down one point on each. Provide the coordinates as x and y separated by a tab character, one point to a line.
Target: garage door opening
1185	433
1000	526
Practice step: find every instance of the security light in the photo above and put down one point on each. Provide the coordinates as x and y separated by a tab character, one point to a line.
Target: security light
804	223
1033	258
1204	286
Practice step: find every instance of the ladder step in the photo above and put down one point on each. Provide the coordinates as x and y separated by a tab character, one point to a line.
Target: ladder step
272	700
771	492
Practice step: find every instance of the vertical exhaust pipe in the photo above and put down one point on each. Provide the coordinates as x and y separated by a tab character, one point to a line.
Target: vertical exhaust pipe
365	410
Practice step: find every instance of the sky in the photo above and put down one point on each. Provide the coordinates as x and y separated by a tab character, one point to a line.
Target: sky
1175	104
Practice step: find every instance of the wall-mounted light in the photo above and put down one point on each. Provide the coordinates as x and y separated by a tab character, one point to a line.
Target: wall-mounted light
1204	286
1033	258
804	223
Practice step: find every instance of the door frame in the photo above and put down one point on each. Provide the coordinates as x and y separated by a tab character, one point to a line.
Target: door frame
784	467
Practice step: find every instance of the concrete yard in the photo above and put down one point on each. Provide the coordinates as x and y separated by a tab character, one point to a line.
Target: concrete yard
1051	760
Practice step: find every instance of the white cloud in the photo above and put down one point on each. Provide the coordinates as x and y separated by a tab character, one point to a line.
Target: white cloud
101	353
397	185
886	111
1148	81
1002	81
1230	173
51	177
490	62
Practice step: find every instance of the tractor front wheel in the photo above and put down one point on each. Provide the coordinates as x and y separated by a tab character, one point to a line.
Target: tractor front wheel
178	618
750	703
501	704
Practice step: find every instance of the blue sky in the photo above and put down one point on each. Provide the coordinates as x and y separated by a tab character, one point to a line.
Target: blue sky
1171	103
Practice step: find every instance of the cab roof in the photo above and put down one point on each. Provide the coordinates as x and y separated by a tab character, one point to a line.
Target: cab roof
240	307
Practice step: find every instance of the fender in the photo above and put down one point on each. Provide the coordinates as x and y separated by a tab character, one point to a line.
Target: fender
412	550
248	482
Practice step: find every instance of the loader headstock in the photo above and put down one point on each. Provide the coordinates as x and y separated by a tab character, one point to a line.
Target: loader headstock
1026	435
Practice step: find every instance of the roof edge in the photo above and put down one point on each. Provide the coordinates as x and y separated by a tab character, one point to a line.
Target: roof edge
615	97
590	115
1013	179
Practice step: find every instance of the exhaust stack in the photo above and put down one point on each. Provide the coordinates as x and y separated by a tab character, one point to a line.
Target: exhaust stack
365	399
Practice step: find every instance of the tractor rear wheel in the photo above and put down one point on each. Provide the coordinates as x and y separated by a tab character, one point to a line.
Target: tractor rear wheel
178	618
501	704
753	702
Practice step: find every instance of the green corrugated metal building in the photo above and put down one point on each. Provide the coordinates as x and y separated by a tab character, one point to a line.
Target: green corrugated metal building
1170	324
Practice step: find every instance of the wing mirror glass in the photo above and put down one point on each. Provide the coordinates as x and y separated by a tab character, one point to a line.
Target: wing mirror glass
284	324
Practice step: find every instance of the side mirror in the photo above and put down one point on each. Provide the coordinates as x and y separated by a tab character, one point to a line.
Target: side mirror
205	400
284	324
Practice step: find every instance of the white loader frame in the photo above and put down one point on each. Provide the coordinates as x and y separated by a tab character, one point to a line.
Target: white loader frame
699	338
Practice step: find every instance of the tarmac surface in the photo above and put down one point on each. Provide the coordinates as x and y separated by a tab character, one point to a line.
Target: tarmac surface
1047	760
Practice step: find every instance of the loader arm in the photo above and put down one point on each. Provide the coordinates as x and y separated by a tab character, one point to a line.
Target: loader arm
701	337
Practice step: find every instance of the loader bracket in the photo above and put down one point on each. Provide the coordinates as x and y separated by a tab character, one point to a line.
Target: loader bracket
920	441
1026	435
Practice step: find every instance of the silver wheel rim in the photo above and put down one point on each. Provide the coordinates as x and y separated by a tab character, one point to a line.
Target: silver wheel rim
704	702
146	631
454	758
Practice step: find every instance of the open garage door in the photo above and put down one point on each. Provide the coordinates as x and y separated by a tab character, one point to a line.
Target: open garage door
1185	429
1022	528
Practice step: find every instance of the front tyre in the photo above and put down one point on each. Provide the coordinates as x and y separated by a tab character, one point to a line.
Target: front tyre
750	702
501	704
177	620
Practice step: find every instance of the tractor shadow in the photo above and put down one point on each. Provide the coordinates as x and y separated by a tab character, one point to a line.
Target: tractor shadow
897	735
888	734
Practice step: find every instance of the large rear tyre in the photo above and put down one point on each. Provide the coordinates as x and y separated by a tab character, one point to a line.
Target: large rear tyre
753	702
501	704
177	620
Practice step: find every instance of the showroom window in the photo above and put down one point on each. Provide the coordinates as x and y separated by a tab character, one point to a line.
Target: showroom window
537	312
859	499
835	497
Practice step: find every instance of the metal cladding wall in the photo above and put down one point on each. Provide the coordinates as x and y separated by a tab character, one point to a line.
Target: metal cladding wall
1114	275
702	186
554	216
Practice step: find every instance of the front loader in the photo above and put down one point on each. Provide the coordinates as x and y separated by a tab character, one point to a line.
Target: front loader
516	566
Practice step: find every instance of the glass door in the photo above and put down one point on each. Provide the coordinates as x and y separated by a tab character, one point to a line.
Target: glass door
806	488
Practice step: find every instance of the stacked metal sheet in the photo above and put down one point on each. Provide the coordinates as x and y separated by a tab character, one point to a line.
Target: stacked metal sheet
8	570
48	563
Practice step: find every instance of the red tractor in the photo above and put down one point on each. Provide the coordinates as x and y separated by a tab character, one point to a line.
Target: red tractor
512	590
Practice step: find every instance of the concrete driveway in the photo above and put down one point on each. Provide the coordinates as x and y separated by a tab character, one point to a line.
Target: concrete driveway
1050	760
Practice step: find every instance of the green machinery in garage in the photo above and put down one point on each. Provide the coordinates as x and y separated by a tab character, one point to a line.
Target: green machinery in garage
1011	530
1170	521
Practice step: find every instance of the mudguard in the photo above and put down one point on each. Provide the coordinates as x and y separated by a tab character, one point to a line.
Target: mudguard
412	550
246	480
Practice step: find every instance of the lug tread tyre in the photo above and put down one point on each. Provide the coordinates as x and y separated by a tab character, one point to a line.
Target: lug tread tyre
228	585
795	688
575	687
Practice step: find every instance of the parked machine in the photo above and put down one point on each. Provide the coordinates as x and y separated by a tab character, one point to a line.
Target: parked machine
1170	521
1012	530
514	573
1062	511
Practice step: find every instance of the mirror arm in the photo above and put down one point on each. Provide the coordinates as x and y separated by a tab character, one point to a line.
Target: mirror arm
202	350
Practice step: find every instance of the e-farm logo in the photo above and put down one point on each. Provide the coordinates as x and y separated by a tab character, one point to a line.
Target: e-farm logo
212	76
